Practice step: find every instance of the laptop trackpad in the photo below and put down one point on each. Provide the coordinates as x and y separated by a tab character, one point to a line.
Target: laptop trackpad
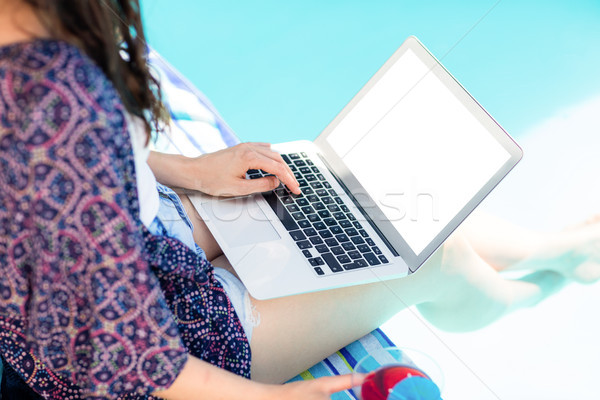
244	222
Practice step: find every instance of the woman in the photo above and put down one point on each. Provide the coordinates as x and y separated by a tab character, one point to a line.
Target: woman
104	297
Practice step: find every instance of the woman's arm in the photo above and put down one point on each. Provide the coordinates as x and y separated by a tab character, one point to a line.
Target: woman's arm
222	173
201	380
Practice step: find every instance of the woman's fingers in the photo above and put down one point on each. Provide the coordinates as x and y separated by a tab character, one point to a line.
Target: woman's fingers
332	384
273	155
265	184
260	161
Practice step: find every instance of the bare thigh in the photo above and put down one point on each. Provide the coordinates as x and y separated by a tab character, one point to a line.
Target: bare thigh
202	235
298	331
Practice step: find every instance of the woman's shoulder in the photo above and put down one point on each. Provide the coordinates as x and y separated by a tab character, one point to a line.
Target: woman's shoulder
53	85
31	71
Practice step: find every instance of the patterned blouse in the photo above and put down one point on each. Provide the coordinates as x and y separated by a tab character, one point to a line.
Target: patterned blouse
91	304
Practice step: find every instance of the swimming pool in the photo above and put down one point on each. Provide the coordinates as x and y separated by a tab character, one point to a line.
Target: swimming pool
280	71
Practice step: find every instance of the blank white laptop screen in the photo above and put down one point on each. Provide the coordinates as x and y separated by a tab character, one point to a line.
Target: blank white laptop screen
409	122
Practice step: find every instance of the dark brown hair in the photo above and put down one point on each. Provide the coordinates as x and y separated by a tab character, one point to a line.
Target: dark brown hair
110	32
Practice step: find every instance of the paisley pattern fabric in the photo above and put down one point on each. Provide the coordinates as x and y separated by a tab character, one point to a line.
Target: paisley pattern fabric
91	304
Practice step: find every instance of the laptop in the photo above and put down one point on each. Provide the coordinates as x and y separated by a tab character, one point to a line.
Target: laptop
386	182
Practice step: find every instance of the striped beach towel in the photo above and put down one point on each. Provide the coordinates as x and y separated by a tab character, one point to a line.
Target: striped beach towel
197	128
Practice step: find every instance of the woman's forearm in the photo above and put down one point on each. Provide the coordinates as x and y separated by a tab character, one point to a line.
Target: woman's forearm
172	170
201	380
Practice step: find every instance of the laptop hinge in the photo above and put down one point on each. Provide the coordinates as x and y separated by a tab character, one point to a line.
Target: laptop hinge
361	209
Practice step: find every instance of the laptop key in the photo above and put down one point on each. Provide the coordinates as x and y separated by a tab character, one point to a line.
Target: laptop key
364	233
293	208
316	185
333	207
297	235
286	158
284	216
313	217
339	215
306	253
331	242
304	244
370	242
308	210
315	170
354	255
330	222
327	200
345	223
319	226
305	170
321	248
326	184
319	271
357	240
351	217
316	240
371	259
383	259
336	230
310	178
348	246
324	214
363	248
356	264
357	225
342	238
338	200
322	192
310	232
304	223
345	208
313	262
325	234
302	183
309	162
302	202
376	250
332	192
300	163
343	259
312	198
321	177
297	175
294	156
298	216
287	200
306	190
318	206
337	250
332	263
303	154
351	232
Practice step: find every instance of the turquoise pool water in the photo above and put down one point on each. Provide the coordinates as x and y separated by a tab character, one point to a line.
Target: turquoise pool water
281	70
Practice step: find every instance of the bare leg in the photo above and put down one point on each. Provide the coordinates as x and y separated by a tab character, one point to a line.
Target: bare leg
574	253
456	289
202	235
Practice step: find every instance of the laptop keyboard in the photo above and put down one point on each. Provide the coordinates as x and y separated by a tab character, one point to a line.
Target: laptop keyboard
325	230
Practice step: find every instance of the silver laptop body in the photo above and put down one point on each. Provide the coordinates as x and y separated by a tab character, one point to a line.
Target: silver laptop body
388	180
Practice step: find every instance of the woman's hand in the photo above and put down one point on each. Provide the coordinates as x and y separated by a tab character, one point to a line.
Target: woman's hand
201	380
222	173
316	389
